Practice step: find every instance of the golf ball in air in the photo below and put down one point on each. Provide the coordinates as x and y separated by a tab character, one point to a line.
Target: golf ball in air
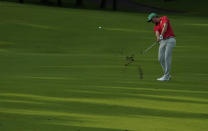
100	27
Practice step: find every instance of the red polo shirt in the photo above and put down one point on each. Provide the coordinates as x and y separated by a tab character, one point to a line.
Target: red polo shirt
159	27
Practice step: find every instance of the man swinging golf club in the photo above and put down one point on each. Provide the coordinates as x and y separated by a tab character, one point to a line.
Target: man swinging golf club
166	38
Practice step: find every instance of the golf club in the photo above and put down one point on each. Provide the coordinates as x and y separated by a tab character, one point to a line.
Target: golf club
131	59
150	47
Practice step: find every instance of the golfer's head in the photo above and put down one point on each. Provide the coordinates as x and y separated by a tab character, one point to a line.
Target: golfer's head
153	17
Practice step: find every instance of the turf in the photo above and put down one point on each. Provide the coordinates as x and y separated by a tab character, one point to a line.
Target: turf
60	72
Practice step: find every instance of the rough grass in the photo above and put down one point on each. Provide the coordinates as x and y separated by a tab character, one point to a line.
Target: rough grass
60	72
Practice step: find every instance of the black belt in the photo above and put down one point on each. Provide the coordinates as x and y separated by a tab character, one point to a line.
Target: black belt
169	37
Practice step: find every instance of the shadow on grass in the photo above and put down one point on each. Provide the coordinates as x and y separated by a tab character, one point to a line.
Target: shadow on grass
146	94
84	128
99	107
43	120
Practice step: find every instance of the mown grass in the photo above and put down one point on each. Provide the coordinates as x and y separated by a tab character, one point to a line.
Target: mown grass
60	72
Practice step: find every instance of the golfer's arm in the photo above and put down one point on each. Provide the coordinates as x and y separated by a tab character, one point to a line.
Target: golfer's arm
157	34
165	27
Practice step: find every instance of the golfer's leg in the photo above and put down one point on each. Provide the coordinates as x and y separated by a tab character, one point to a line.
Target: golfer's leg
161	54
168	55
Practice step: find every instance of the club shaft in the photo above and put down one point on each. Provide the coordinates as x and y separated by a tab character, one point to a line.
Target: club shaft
150	47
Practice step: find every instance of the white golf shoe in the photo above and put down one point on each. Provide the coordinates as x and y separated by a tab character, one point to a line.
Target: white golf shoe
164	78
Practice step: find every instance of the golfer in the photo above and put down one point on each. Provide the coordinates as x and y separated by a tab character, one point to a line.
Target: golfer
166	38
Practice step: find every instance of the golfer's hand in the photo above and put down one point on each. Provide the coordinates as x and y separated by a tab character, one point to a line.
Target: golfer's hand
161	37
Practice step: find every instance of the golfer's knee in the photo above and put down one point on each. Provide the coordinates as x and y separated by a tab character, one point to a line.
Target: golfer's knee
168	58
161	59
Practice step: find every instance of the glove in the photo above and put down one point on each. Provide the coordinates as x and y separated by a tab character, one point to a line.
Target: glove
161	37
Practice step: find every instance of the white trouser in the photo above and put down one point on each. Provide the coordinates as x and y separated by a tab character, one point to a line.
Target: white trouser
165	54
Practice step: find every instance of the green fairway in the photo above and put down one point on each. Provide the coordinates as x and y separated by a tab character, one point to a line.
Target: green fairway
59	72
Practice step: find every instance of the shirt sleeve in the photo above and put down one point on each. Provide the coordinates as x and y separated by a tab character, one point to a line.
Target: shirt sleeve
165	19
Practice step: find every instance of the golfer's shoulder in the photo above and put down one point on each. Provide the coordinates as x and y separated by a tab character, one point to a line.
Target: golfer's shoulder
164	18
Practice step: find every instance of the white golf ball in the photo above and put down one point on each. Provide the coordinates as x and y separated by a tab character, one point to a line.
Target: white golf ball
100	27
